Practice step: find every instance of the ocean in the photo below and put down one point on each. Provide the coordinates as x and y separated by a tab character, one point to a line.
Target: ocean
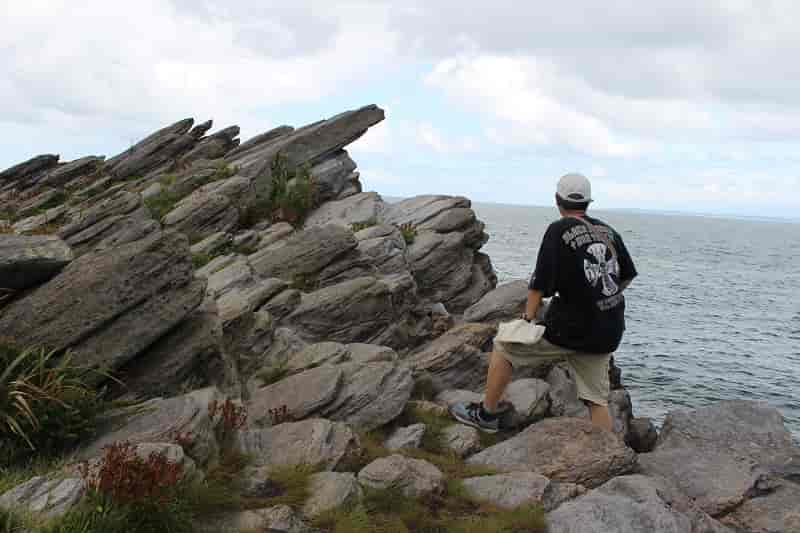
713	315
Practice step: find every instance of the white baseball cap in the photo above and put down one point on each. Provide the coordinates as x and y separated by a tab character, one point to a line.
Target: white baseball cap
574	187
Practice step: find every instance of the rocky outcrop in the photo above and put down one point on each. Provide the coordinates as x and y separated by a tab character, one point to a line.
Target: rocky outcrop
413	477
565	449
27	173
722	455
504	303
29	261
508	490
47	497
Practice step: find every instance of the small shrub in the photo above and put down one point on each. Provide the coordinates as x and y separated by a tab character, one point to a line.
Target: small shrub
46	404
200	260
232	417
355	227
280	415
162	203
59	198
409	233
292	195
10	522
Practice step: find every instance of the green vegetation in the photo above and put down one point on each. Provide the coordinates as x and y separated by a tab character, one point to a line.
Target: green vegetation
409	232
46	404
162	203
358	226
201	260
292	195
304	282
10	522
271	375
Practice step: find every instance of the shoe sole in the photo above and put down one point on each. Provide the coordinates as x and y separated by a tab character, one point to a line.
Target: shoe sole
469	422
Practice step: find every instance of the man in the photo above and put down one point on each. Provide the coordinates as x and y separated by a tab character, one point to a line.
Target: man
584	265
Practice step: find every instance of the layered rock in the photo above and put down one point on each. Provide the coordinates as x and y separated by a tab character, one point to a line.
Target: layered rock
29	261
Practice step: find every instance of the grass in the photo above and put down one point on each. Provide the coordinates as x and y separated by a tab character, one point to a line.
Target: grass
355	227
200	260
409	232
11	522
292	195
162	203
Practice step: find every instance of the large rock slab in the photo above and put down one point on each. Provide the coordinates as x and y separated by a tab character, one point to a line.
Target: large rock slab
156	150
25	174
413	477
508	490
330	490
385	247
333	175
29	261
775	512
405	437
47	497
305	253
504	303
457	359
315	442
567	449
109	306
63	174
721	455
357	209
301	395
161	420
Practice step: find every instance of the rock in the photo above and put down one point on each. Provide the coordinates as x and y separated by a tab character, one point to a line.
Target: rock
405	437
46	497
721	455
212	244
372	395
333	175
156	150
41	223
357	209
351	265
461	440
482	280
274	234
246	298
385	248
432	408
441	263
160	420
49	197
172	452
278	519
304	253
331	490
564	394
508	491
214	146
630	504
413	477
530	399
456	359
309	442
365	309
371	353
567	449
109	306
558	493
318	354
621	409
246	338
258	140
504	303
25	174
283	304
450	397
29	261
770	513
201	214
420	210
301	395
63	174
642	435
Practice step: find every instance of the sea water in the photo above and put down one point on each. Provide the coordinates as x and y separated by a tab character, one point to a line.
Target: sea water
713	315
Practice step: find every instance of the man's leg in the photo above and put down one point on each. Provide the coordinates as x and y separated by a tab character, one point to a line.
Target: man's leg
601	416
591	377
497	380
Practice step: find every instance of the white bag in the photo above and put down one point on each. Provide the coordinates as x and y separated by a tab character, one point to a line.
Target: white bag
520	331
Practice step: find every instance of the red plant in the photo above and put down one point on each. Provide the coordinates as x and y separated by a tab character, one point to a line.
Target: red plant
280	415
125	477
184	439
233	415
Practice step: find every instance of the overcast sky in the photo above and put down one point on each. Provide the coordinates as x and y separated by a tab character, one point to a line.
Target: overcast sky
672	104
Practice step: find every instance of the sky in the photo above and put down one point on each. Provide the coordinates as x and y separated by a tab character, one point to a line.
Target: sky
669	105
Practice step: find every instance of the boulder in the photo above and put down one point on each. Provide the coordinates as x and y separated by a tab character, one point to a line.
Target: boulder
213	244
530	400
333	175
457	359
331	490
413	477
567	449
161	420
631	504
621	409
405	437
564	394
774	512
643	435
47	198
305	253
275	233
360	208
315	442
461	440
508	491
504	303
283	304
109	306
29	261
721	455
47	497
278	519
301	395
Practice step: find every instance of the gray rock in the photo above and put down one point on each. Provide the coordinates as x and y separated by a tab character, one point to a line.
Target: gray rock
564	394
40	223
441	264
25	174
333	175
457	359
229	273
246	338
214	146
371	353
318	354
283	304
172	452
385	247
450	397
414	477
261	139
721	455
461	440
29	261
621	409
202	214
244	299
530	399
421	209
372	395
278	519
592	457
159	420
274	234
43	496
351	265
357	209
109	306
158	149
482	280
775	512
630	504
212	244
304	253
115	205
643	435
506	302
63	174
331	490
309	442
30	207
508	490
405	437
301	395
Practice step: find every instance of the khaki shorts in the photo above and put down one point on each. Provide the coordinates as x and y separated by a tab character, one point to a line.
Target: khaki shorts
590	370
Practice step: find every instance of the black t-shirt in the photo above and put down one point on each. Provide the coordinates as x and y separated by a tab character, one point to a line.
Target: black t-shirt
574	263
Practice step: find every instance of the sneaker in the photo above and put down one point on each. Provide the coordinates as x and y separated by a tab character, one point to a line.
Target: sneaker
470	414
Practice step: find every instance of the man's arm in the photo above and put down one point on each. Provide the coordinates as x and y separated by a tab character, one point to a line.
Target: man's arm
624	284
534	301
